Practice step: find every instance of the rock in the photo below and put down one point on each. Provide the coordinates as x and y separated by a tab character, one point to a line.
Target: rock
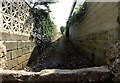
85	75
113	59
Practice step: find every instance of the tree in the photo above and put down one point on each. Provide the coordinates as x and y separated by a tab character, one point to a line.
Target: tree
62	29
44	29
35	3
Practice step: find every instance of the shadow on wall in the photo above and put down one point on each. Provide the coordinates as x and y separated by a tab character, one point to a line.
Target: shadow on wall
40	53
34	55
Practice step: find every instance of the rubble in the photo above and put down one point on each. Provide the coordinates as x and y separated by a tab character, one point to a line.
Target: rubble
113	60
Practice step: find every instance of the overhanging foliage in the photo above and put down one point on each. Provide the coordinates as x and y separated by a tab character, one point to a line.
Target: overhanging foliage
76	17
44	28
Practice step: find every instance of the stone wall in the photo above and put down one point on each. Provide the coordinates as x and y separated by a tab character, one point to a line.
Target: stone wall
85	75
16	23
97	32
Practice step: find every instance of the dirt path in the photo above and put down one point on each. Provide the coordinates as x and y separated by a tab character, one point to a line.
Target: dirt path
60	55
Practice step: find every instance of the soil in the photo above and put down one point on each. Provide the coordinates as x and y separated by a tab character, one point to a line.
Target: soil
60	55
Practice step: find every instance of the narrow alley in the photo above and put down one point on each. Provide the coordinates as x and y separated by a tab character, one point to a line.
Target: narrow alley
59	41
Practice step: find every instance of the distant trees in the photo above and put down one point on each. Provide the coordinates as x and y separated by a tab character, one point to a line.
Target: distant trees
62	29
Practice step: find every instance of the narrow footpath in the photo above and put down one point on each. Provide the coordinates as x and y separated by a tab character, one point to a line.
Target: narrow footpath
60	55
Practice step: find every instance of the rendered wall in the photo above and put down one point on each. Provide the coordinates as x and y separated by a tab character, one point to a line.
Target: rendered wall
97	32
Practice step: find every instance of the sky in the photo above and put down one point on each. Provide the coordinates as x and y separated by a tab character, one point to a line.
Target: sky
61	11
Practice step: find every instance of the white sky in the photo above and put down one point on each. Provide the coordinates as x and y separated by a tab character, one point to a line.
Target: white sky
61	11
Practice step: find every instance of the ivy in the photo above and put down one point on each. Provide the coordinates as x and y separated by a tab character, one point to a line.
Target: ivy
44	29
77	16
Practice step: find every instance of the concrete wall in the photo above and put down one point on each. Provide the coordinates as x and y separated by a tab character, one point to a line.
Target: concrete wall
97	32
16	23
18	53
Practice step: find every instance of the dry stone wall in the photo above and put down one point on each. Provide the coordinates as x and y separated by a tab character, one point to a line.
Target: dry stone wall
97	32
16	23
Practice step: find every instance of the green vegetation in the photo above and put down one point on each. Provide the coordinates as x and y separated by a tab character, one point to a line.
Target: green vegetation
44	29
62	29
76	17
77	10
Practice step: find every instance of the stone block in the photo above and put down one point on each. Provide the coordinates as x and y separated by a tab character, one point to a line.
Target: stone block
12	63
19	52
26	50
14	54
21	44
5	36
21	59
27	44
8	46
8	55
14	44
15	37
25	38
11	45
18	67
